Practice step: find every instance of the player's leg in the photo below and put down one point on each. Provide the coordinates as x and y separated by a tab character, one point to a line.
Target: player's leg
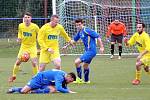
146	63
14	90
55	58
45	90
16	66
137	79
43	60
34	60
119	40
78	67
112	46
86	72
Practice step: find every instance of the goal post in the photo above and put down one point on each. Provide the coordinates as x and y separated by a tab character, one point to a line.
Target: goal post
98	14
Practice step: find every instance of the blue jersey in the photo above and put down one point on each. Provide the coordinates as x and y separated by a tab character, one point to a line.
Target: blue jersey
47	77
88	37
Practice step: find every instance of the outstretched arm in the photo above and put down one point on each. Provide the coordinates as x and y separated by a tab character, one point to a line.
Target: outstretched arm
100	43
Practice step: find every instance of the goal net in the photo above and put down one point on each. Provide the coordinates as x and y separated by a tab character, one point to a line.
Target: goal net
98	14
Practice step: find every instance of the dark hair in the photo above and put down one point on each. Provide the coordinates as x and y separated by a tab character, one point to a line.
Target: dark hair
28	13
79	20
54	16
72	75
143	25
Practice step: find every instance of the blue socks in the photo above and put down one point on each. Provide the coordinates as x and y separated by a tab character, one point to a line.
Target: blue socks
86	75
79	72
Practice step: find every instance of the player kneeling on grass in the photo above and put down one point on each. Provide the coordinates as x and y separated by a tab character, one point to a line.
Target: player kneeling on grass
49	81
88	37
142	40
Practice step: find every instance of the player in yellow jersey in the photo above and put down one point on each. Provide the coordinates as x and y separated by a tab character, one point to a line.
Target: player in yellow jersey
142	41
27	33
48	40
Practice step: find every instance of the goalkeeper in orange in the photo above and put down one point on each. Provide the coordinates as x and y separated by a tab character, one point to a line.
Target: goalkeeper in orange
48	39
142	40
27	33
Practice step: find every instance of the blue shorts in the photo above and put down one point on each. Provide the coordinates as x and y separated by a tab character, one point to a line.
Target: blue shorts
87	56
35	82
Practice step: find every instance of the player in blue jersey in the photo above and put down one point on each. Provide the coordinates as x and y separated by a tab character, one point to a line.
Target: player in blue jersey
88	37
47	82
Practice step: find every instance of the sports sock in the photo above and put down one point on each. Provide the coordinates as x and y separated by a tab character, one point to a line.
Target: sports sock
17	89
35	70
15	70
138	75
41	91
120	50
112	49
86	74
79	72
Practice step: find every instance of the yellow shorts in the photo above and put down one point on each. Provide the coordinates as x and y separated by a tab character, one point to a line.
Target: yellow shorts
146	60
46	57
31	50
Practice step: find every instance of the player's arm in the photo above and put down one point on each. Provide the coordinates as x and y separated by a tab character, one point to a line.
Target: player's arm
72	42
109	31
41	39
58	84
124	30
147	49
19	39
100	43
131	41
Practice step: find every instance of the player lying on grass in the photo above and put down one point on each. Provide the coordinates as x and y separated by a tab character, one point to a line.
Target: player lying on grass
88	37
142	40
48	81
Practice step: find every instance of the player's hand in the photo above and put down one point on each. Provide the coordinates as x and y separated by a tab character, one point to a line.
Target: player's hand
50	50
125	41
72	92
101	50
139	57
19	40
108	40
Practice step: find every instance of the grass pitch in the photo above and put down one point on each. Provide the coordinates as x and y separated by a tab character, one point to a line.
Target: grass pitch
110	80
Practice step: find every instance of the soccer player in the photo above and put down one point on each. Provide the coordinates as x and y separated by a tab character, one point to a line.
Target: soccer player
116	30
27	33
142	40
88	37
48	40
48	81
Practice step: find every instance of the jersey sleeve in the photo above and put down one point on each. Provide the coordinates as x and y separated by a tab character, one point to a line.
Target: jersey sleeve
41	38
19	32
124	29
64	34
147	42
132	40
76	37
91	33
37	29
58	84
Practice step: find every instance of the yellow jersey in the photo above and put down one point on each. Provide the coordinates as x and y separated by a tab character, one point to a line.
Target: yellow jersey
28	34
48	37
142	41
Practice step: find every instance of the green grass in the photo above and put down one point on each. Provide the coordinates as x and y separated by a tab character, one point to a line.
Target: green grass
110	80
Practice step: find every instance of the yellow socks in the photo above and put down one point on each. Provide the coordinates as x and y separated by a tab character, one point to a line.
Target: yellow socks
15	70
138	75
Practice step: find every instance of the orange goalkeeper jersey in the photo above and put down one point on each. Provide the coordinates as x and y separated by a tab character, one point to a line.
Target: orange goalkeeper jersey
116	29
